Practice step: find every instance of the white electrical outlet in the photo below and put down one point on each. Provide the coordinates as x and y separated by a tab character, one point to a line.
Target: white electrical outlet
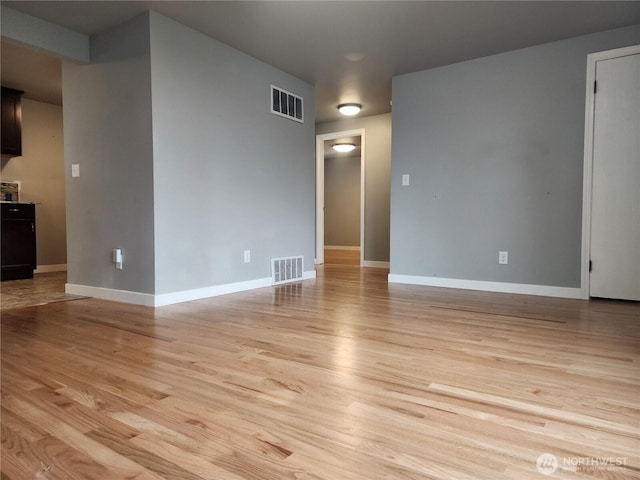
75	170
117	258
247	256
503	258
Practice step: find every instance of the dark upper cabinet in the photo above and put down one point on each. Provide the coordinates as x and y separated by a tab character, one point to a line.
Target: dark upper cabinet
11	122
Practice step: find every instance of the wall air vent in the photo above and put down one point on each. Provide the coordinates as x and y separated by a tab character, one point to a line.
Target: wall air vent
287	104
286	269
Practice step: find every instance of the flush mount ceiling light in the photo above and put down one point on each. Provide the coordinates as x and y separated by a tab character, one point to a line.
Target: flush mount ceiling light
354	56
344	147
349	109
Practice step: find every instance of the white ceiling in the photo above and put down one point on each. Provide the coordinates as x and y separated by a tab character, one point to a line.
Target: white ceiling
348	50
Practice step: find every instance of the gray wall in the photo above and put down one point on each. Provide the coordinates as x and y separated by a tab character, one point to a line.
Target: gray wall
342	201
107	129
40	170
228	174
182	164
494	148
377	179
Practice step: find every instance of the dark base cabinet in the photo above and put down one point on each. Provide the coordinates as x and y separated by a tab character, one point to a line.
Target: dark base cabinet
18	247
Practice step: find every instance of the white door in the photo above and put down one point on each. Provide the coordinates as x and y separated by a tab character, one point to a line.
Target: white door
615	204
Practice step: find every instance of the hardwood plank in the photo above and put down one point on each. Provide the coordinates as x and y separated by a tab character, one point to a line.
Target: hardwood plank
44	288
49	458
345	376
342	256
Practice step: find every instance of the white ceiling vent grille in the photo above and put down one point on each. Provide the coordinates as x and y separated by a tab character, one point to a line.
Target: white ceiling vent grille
286	269
287	104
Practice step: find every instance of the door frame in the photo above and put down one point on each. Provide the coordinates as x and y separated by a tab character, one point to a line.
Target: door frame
320	139
587	181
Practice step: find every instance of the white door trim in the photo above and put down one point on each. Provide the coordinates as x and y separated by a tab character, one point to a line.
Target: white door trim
587	181
320	139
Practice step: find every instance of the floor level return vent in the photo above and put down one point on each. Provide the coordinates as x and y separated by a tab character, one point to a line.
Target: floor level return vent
286	269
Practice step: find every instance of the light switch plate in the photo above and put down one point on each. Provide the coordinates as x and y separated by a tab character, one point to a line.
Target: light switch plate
75	170
405	179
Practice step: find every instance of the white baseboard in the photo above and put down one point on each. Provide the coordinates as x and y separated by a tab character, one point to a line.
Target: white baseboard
61	267
161	300
375	264
310	275
518	288
341	247
124	296
206	292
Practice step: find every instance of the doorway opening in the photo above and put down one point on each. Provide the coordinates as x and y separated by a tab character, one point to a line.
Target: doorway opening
341	237
40	169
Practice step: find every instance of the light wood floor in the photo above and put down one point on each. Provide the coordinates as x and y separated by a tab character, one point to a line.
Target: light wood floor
340	378
338	256
43	288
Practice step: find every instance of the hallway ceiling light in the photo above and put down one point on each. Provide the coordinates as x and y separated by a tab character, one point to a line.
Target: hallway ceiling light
349	109
344	147
354	56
